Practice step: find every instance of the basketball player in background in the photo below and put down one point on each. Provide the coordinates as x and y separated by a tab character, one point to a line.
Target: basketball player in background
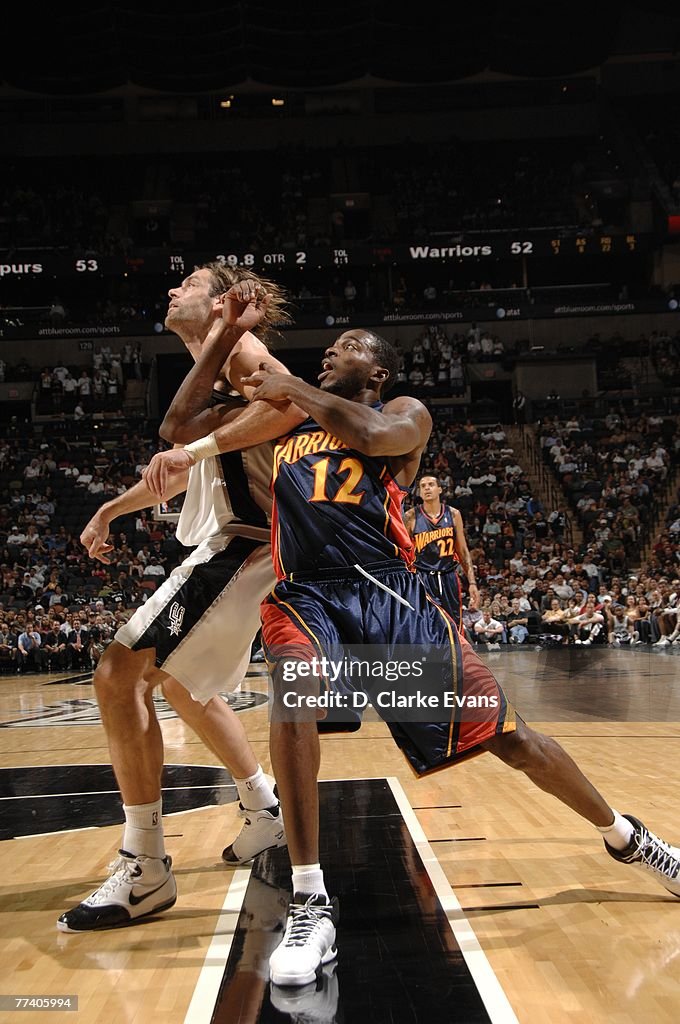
440	546
193	636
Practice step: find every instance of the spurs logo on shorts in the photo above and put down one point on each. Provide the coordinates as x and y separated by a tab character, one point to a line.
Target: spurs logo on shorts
176	616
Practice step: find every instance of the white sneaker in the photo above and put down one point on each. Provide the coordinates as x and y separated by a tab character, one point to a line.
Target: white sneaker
652	854
308	942
261	830
494	647
137	887
663	642
586	643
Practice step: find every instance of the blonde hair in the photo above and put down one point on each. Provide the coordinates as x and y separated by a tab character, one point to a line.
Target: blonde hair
225	276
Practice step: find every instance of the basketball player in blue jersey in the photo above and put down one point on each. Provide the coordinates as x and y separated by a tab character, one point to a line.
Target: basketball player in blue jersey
207	604
440	546
345	567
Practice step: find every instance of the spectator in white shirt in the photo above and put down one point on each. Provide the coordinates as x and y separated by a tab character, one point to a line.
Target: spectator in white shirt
474	349
96	485
491	528
154	568
489	631
562	588
486	344
84	385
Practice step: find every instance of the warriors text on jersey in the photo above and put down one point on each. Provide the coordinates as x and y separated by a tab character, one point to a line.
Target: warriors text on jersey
333	506
435	540
228	493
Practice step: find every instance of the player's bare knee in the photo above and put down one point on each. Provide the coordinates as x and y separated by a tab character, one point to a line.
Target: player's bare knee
117	675
523	749
187	707
174	692
296	693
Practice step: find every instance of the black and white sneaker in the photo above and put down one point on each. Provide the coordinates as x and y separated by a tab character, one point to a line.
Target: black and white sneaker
261	830
308	942
137	887
652	854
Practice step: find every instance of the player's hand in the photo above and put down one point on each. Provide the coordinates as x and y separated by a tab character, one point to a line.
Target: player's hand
163	468
95	539
244	305
270	385
474	596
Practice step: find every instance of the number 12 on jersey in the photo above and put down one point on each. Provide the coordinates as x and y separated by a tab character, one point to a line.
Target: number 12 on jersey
347	493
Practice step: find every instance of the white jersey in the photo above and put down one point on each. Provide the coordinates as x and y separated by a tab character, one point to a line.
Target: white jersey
228	495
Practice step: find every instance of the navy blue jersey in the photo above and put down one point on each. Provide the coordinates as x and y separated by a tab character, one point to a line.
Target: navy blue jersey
333	506
435	540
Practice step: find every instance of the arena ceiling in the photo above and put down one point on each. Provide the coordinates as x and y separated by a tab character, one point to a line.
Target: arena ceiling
204	46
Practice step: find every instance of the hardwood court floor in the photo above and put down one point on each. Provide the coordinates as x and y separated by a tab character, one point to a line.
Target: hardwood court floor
571	935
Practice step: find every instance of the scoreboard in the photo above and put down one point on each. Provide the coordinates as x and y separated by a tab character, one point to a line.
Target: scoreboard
465	248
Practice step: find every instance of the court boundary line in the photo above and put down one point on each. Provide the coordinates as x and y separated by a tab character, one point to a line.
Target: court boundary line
107	764
206	990
489	987
108	792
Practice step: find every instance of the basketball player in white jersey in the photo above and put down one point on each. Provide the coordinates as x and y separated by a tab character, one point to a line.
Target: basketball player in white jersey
207	606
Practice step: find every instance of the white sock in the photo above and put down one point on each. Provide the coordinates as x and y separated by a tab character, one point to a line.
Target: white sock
308	879
143	834
619	833
256	793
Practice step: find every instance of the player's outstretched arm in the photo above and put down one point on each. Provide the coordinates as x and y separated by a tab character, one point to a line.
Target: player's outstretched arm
95	536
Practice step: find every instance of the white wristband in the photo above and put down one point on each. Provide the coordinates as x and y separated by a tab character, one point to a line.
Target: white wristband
203	448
